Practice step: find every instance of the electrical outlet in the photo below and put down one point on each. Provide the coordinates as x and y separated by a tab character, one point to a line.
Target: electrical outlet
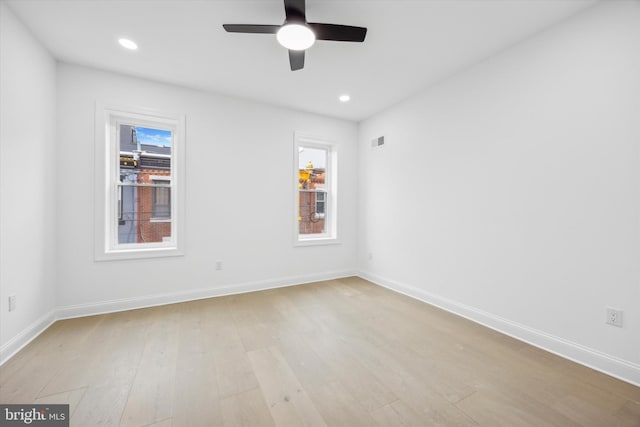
369	256
614	317
218	265
12	302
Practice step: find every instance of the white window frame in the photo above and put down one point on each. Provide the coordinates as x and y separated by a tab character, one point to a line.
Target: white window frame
330	236
107	163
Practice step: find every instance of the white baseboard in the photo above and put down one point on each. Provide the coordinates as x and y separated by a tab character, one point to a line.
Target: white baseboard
112	306
610	365
15	344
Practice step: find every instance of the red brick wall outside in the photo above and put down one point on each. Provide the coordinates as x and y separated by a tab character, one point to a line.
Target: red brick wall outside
309	222
149	230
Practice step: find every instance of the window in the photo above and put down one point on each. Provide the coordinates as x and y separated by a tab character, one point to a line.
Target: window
139	174
321	200
315	187
161	208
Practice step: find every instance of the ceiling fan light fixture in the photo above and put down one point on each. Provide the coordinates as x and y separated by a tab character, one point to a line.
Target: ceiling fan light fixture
128	44
296	36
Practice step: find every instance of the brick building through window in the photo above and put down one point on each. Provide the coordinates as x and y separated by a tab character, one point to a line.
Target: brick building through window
145	197
312	198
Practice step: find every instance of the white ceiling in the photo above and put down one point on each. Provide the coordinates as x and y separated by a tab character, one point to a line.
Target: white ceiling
409	46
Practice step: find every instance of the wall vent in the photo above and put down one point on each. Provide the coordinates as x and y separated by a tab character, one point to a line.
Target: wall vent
377	142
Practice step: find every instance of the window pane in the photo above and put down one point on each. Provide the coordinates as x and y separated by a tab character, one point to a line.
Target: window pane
320	202
312	179
145	198
161	208
127	224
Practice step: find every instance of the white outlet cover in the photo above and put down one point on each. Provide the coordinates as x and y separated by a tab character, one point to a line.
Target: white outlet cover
614	317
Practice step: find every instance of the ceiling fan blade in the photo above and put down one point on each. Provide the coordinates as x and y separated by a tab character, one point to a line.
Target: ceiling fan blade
296	59
295	10
340	33
252	29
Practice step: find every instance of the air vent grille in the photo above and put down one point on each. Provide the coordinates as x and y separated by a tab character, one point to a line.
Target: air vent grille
377	142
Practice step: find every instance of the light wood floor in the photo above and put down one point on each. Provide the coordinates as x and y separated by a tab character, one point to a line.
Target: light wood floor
335	353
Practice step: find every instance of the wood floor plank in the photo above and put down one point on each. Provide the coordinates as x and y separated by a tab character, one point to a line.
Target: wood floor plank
119	357
234	377
26	382
221	340
308	367
101	406
493	407
287	400
45	343
400	414
196	396
582	374
80	368
152	393
361	383
415	388
381	336
629	414
246	409
255	334
71	398
164	423
337	406
584	413
386	416
294	315
43	362
337	352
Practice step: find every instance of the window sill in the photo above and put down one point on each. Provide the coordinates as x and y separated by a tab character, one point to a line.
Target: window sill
316	241
139	253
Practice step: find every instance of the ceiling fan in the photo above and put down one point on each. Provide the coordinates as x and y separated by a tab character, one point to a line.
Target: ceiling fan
297	35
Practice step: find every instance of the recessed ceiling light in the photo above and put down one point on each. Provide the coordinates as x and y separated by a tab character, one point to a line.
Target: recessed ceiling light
344	98
128	44
296	36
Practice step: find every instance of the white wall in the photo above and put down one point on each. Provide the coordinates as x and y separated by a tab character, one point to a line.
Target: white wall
510	193
239	199
27	183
